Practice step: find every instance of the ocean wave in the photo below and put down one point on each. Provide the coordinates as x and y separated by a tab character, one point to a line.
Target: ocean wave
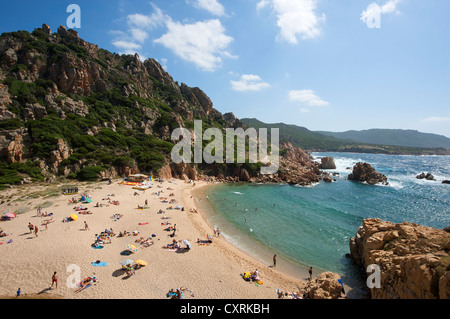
238	193
306	186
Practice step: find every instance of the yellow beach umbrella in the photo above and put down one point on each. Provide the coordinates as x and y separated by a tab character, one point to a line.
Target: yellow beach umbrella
74	217
141	262
132	248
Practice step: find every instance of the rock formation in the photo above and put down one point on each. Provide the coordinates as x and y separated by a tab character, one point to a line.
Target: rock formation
62	152
59	77
414	260
326	286
364	172
14	152
427	176
4	101
327	163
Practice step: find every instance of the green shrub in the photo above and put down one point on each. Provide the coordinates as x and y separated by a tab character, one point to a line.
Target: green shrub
89	173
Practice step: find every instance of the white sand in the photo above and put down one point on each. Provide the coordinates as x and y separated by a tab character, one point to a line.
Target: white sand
210	272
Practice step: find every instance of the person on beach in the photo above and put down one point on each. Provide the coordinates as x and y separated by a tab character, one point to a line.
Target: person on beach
30	227
18	293
36	231
310	273
54	280
275	260
86	227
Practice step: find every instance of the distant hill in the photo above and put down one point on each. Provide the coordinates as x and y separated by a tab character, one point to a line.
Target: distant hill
397	137
297	135
326	141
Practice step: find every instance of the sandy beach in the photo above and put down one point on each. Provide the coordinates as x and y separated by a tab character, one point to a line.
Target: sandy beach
206	271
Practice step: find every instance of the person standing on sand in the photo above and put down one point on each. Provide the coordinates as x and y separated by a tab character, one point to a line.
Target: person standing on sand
310	273
55	280
30	227
86	227
18	293
36	231
275	260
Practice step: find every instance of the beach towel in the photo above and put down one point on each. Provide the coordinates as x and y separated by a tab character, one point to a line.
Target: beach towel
100	264
87	286
97	247
143	224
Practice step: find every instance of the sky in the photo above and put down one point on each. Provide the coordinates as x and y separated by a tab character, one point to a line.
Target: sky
333	65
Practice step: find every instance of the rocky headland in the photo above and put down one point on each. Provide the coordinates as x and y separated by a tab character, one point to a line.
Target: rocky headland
414	260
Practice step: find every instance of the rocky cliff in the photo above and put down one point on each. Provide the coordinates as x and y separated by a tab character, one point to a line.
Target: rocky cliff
414	260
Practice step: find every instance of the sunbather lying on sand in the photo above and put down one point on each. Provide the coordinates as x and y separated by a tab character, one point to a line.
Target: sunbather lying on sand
124	234
204	241
85	282
48	221
173	245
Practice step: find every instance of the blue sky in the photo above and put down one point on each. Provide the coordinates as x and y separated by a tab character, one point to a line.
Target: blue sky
315	63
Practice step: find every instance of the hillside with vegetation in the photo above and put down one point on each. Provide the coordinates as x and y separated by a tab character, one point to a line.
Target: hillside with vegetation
69	108
321	142
408	138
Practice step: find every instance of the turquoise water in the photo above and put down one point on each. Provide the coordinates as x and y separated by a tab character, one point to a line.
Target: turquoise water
311	226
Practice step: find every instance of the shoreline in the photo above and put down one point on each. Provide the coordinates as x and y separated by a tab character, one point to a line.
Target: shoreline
211	272
289	269
286	267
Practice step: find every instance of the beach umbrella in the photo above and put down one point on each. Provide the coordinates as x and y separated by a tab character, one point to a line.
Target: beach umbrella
126	262
132	248
74	217
141	262
10	215
187	243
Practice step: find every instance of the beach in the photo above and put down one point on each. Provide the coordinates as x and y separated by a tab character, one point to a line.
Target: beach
211	271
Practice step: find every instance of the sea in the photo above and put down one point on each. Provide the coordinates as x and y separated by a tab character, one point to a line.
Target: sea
311	226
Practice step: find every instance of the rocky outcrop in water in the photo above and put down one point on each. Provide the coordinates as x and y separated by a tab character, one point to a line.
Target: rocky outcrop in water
427	176
327	163
414	260
364	172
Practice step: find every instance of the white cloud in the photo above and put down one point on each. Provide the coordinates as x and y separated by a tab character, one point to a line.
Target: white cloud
141	21
296	18
212	6
262	4
374	10
201	43
307	97
249	82
204	44
129	42
139	35
436	119
390	7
